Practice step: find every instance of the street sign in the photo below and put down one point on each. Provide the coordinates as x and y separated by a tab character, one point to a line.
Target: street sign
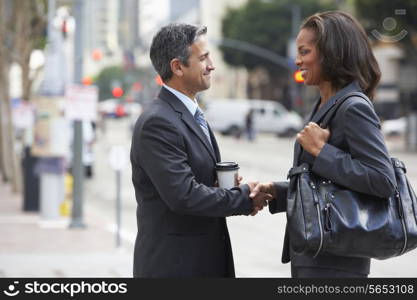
50	131
118	157
81	103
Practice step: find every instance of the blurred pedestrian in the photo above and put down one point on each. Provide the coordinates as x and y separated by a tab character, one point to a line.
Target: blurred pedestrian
102	124
249	126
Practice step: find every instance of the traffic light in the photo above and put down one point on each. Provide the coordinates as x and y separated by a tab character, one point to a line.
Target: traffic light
87	80
298	77
158	80
137	86
117	92
97	54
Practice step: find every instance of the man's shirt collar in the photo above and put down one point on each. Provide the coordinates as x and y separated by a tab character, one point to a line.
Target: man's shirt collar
190	104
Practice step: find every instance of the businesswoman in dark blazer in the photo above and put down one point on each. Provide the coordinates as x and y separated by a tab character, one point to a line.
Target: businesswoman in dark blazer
334	54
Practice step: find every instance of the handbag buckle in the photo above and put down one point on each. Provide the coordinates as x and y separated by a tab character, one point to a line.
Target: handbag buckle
399	203
327	217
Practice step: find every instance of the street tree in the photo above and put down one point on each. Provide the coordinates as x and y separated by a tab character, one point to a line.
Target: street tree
389	18
395	22
112	76
22	29
268	25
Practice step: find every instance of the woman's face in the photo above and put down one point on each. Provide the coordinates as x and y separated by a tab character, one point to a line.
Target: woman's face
308	57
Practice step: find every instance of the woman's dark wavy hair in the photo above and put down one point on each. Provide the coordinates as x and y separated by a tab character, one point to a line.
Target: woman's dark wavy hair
345	50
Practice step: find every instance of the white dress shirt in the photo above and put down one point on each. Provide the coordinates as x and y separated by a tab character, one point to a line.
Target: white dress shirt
190	104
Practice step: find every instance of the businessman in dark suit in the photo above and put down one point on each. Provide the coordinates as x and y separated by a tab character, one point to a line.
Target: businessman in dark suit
182	229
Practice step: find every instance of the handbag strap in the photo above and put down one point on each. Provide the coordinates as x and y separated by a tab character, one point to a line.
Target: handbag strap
303	168
328	117
332	112
396	163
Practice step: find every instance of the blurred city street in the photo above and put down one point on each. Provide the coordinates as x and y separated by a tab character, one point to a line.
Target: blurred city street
75	75
31	248
257	241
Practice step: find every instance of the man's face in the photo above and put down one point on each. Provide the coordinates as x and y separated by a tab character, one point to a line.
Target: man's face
197	73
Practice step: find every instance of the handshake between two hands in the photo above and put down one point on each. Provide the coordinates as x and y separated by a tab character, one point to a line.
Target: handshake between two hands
261	194
312	138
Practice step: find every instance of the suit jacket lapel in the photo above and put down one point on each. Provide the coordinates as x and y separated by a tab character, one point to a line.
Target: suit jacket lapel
297	153
215	145
318	116
187	118
196	129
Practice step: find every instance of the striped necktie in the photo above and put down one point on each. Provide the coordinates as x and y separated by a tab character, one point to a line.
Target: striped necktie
199	117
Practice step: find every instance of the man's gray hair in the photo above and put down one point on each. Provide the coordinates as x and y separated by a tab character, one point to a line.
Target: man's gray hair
173	41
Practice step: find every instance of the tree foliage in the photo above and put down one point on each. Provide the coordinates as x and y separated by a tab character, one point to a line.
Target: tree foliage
22	29
28	32
266	24
372	14
113	76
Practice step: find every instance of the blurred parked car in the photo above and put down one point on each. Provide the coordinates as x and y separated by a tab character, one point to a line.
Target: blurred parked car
112	108
394	127
134	110
228	117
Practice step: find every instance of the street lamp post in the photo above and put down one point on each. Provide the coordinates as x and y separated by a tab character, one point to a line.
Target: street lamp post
77	167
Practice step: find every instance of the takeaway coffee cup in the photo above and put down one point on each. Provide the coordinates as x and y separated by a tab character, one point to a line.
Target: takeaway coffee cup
227	174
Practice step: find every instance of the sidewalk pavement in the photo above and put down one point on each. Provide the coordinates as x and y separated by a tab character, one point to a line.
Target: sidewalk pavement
31	248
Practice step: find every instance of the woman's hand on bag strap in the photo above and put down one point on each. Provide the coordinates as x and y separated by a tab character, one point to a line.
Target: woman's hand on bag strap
313	138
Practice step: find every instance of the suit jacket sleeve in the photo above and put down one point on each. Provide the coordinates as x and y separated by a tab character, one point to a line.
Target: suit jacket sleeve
279	204
163	157
367	167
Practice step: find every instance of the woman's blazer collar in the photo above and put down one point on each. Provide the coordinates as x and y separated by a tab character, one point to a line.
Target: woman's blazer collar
317	116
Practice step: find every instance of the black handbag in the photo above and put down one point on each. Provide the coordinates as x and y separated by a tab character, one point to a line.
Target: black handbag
324	217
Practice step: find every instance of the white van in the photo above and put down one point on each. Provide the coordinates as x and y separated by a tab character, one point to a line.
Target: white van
228	116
